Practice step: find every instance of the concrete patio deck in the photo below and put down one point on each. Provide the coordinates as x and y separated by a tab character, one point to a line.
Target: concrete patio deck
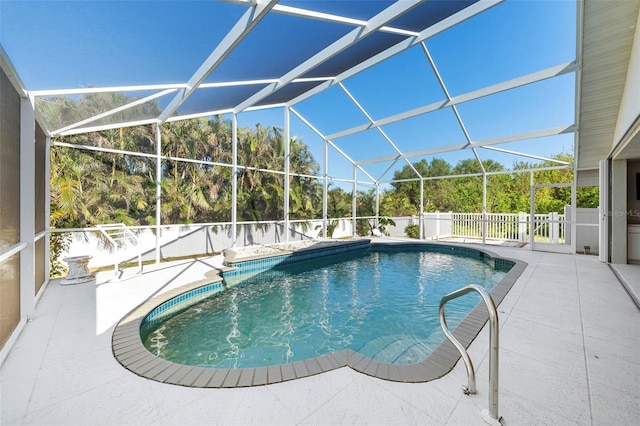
569	354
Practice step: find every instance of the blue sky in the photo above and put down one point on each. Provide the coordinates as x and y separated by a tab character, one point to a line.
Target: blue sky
68	44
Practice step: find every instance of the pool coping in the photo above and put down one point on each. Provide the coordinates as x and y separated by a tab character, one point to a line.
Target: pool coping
130	352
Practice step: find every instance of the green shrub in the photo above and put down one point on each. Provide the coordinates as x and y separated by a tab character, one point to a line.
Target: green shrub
58	244
412	231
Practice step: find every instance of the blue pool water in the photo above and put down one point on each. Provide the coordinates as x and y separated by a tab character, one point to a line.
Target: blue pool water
381	303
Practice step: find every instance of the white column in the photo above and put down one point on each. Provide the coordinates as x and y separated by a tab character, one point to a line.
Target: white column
287	163
574	215
532	211
603	211
47	208
353	201
27	208
484	208
618	211
234	179
421	208
325	190
158	188
377	205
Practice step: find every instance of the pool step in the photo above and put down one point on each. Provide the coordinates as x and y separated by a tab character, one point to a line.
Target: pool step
397	348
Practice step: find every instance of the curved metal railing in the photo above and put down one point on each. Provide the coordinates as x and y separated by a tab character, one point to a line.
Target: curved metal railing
489	415
116	234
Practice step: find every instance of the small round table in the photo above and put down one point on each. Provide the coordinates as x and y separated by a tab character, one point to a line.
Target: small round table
78	270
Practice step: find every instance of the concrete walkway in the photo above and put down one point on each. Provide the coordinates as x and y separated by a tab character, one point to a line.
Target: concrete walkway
569	354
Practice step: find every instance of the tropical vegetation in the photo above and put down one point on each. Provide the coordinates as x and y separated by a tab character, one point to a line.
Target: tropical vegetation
110	183
89	187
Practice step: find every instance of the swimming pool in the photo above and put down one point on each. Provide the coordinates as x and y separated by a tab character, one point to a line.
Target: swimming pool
262	328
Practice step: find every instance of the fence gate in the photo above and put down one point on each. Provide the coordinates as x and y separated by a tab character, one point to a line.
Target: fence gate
551	232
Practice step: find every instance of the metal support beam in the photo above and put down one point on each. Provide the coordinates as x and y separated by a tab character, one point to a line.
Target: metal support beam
239	31
394	11
532	211
574	214
287	163
357	166
27	208
484	209
377	205
305	121
522	154
433	30
47	207
354	207
486	142
457	100
158	188
453	107
325	189
421	214
576	135
113	111
384	135
311	14
391	166
234	180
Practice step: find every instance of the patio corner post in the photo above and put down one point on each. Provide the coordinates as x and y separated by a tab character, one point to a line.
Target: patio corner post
27	208
47	208
576	135
574	214
158	187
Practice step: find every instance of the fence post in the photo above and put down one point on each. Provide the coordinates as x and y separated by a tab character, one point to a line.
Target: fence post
484	226
522	227
437	225
566	230
553	227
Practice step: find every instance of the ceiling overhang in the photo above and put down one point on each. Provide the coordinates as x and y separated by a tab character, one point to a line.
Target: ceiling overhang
608	29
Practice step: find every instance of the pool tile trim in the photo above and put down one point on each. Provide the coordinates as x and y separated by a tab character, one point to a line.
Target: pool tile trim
129	351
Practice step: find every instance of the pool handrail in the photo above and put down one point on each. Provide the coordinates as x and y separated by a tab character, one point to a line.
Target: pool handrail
489	415
116	233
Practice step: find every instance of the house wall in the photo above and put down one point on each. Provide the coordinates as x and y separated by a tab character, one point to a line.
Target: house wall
625	209
587	235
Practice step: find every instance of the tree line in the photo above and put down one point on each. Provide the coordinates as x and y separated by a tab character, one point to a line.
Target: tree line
92	187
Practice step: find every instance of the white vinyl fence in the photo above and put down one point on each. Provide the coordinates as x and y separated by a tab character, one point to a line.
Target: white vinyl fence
510	227
206	239
499	226
552	227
